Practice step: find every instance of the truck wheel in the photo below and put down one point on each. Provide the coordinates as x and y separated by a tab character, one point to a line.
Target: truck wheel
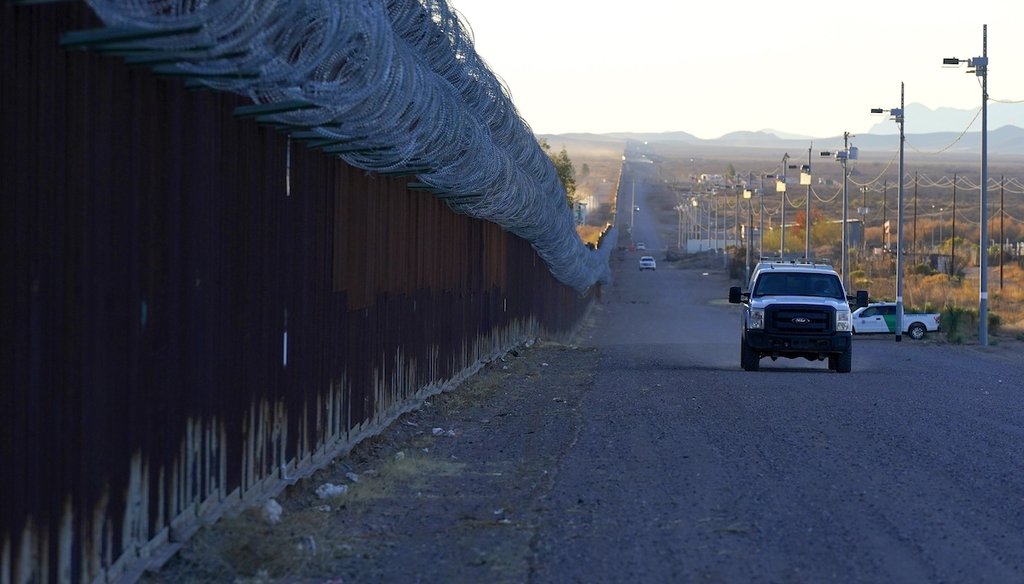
749	359
843	361
916	331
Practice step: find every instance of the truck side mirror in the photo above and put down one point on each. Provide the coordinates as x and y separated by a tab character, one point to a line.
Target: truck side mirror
734	295
862	298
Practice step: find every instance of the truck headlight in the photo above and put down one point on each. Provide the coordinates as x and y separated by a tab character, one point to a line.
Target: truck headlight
756	318
843	321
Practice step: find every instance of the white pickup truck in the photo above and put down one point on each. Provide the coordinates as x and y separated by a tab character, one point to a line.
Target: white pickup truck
880	317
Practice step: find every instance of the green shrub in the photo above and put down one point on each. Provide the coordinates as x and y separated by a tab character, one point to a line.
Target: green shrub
953	321
994	322
922	270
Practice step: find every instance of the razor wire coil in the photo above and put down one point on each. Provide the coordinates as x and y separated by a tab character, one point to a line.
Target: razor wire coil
398	85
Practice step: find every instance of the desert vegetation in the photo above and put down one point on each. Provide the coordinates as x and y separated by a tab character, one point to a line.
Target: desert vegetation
942	256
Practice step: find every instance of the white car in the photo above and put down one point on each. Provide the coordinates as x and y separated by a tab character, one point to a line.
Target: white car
648	263
641	246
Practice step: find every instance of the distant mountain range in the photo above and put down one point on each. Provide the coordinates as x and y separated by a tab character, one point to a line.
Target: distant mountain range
928	130
921	119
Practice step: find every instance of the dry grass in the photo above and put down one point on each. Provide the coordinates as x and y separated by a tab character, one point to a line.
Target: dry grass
318	536
957	298
308	540
590	233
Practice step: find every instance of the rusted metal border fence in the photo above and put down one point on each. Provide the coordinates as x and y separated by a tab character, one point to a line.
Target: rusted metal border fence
195	312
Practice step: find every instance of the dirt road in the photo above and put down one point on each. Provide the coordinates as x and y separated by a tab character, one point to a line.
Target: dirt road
644	453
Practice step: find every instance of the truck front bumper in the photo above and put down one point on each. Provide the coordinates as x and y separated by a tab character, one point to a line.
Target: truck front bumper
767	343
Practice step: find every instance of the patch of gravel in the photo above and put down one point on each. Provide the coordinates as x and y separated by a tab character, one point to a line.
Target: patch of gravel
449	493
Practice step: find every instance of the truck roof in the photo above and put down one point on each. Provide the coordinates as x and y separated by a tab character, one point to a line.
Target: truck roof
793	266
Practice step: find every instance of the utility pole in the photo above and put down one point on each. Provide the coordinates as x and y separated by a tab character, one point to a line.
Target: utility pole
736	228
864	219
749	196
760	238
980	65
1002	234
846	212
898	116
915	211
899	226
952	239
885	197
807	210
632	208
782	220
981	69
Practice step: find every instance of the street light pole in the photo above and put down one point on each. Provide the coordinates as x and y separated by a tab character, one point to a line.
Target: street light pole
898	116
747	195
696	217
844	156
982	71
736	227
846	212
632	209
807	211
980	65
760	233
782	218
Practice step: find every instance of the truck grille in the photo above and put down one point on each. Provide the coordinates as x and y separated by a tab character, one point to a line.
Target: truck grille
799	319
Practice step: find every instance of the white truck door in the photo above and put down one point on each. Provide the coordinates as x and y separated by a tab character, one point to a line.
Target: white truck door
870	321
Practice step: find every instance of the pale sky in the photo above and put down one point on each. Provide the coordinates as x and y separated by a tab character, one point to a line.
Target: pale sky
709	67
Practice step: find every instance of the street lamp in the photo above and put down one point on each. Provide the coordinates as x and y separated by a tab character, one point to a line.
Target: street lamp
843	156
760	232
700	242
748	196
679	225
632	209
980	68
736	228
805	180
780	186
897	115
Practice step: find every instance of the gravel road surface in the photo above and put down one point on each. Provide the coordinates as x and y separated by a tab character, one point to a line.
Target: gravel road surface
644	453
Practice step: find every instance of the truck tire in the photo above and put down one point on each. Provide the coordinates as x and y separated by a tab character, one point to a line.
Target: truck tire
843	362
916	331
749	360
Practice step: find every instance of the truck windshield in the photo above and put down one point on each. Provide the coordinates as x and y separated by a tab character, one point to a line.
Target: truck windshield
799	284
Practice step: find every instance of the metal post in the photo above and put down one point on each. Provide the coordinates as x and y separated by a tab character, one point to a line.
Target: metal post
807	210
885	204
736	227
714	209
750	228
760	233
915	211
1002	234
952	238
982	70
846	212
885	197
863	212
899	229
632	208
782	218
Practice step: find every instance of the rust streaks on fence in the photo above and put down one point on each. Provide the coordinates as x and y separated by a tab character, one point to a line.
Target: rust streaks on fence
198	311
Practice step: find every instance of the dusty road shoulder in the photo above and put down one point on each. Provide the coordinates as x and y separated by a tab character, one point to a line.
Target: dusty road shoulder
452	492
